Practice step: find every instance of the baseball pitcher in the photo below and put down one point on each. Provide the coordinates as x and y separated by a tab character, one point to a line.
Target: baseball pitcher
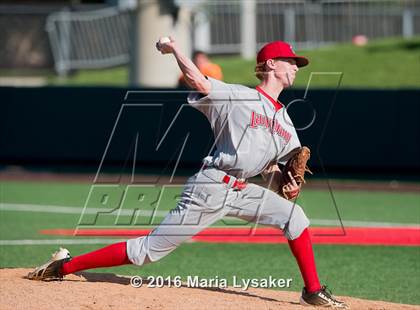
254	135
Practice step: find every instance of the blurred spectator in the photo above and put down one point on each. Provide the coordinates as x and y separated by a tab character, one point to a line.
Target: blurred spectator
206	67
360	40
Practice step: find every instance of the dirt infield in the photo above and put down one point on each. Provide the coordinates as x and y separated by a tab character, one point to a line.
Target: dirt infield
110	291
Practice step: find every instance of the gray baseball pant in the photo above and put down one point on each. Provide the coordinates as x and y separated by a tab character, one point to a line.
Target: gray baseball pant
204	201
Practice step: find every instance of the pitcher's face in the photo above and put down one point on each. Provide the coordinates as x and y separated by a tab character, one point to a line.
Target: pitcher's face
285	71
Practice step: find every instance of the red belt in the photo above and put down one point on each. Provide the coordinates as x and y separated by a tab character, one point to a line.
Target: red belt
239	185
236	184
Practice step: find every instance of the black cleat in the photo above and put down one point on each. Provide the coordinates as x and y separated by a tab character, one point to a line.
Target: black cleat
321	298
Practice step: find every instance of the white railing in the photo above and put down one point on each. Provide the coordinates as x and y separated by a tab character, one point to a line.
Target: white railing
89	39
231	27
101	38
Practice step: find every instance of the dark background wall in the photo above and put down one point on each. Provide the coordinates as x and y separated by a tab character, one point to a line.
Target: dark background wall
353	131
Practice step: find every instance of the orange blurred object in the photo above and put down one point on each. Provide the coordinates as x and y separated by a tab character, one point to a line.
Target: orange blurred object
206	67
212	70
360	40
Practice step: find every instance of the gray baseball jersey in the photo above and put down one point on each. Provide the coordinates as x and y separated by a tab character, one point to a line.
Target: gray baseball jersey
250	132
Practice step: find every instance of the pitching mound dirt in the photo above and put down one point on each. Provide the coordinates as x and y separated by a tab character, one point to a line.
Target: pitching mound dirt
110	291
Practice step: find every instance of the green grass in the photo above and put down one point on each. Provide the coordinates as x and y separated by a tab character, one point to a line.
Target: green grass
372	272
362	205
104	77
50	193
318	204
389	63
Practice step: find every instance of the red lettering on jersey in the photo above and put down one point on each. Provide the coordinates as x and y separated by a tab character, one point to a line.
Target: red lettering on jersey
259	120
253	124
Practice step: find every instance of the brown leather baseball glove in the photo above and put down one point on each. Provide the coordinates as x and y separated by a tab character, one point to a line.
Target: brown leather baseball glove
288	180
293	173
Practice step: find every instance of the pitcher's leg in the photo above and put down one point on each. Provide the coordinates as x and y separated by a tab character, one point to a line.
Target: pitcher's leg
203	202
111	255
263	206
177	227
302	250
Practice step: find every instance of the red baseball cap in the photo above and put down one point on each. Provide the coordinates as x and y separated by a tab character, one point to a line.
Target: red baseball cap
280	49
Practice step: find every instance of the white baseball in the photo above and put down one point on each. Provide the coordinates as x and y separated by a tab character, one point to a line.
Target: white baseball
164	40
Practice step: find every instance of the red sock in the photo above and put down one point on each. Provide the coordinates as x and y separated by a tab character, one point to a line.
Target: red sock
111	255
302	250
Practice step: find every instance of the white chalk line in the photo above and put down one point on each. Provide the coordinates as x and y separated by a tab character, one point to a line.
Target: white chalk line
129	212
59	241
73	210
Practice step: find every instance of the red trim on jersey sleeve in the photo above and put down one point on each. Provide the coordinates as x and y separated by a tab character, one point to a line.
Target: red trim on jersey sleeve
277	105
